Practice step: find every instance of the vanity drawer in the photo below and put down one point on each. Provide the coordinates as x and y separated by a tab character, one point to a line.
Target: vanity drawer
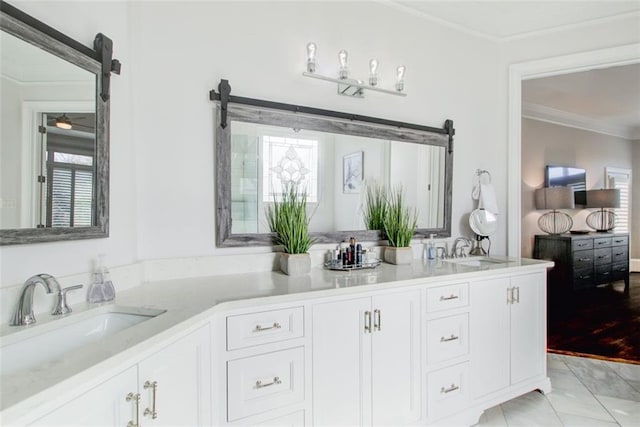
620	271
602	242
261	383
620	241
447	338
580	244
247	330
447	297
602	256
447	391
603	273
619	254
582	259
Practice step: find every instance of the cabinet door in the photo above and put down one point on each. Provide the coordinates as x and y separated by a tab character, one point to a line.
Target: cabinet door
489	336
396	358
528	328
182	375
104	405
341	363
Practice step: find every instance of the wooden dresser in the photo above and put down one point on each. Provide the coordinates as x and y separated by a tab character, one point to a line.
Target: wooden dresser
583	261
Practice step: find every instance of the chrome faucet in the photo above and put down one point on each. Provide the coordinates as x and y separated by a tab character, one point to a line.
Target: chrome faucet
24	310
454	249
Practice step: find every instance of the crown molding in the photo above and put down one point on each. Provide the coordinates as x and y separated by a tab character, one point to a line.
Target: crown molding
564	118
512	37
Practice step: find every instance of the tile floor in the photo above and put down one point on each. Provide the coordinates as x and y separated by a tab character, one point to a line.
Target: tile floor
586	392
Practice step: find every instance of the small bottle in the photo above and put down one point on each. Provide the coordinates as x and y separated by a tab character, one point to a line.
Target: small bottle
352	247
431	247
96	292
345	256
359	255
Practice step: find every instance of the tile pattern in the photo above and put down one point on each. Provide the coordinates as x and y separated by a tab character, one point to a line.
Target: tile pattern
586	392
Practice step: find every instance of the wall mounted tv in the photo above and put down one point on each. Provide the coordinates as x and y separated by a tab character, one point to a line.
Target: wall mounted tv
566	176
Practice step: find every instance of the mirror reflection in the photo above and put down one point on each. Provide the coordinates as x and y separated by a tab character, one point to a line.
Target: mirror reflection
47	140
334	169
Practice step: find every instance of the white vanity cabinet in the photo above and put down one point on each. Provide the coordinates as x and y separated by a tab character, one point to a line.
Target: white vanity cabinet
507	332
366	360
181	393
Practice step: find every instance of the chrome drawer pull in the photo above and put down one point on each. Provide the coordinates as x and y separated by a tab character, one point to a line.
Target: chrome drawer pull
603	256
377	320
154	389
136	400
605	273
276	381
449	298
619	253
259	328
451	338
367	321
450	389
602	243
585	277
584	259
618	241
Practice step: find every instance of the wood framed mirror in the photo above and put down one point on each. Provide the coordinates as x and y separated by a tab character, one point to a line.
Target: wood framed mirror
261	144
55	134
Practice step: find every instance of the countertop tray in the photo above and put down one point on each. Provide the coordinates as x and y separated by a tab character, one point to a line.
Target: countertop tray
336	266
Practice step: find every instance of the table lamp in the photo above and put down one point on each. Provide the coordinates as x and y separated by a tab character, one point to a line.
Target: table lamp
554	198
602	220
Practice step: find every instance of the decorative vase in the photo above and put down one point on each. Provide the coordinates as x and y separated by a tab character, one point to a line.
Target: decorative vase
398	256
295	264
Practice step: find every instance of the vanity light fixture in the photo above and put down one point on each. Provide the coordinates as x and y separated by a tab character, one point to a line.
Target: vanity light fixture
63	122
349	86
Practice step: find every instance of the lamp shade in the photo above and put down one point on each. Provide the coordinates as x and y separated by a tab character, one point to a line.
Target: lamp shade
554	198
609	198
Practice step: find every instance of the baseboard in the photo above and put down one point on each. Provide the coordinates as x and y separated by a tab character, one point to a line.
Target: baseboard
634	266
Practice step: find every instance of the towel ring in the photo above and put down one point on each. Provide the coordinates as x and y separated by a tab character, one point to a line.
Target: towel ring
480	172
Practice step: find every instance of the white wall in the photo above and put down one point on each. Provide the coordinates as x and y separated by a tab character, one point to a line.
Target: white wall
173	53
635	200
260	48
550	144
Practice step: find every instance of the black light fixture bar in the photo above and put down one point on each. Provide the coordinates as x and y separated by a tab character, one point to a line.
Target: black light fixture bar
224	97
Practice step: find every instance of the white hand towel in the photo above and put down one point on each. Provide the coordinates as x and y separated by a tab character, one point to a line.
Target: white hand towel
486	196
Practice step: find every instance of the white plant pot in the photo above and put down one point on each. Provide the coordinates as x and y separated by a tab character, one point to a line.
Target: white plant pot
295	264
398	256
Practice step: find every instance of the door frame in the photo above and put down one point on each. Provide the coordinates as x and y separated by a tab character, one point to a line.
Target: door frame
602	58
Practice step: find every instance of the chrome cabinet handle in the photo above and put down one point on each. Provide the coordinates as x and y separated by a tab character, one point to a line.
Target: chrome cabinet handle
449	298
275	325
584	259
135	397
450	389
618	241
619	253
605	273
517	297
603	256
377	320
367	321
602	243
585	277
451	338
276	381
154	390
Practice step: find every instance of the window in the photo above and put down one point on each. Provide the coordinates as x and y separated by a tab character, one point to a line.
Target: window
620	179
287	161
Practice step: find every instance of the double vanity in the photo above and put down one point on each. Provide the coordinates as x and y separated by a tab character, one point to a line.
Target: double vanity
428	343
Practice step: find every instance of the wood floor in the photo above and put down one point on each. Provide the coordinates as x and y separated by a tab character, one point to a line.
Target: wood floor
603	323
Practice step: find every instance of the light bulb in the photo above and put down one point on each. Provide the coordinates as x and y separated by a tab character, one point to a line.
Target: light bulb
342	57
400	71
311	57
373	72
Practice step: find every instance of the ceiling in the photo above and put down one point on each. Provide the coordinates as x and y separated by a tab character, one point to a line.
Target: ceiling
604	100
506	20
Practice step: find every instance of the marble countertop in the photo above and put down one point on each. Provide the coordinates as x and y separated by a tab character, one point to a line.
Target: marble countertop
189	304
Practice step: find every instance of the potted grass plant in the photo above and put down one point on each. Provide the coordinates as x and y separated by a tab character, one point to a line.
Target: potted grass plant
399	226
375	209
288	219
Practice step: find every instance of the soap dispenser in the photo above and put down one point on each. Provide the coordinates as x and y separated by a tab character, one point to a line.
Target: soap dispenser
431	247
96	290
108	288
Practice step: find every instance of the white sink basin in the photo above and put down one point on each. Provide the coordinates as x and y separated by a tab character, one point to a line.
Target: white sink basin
477	261
38	346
